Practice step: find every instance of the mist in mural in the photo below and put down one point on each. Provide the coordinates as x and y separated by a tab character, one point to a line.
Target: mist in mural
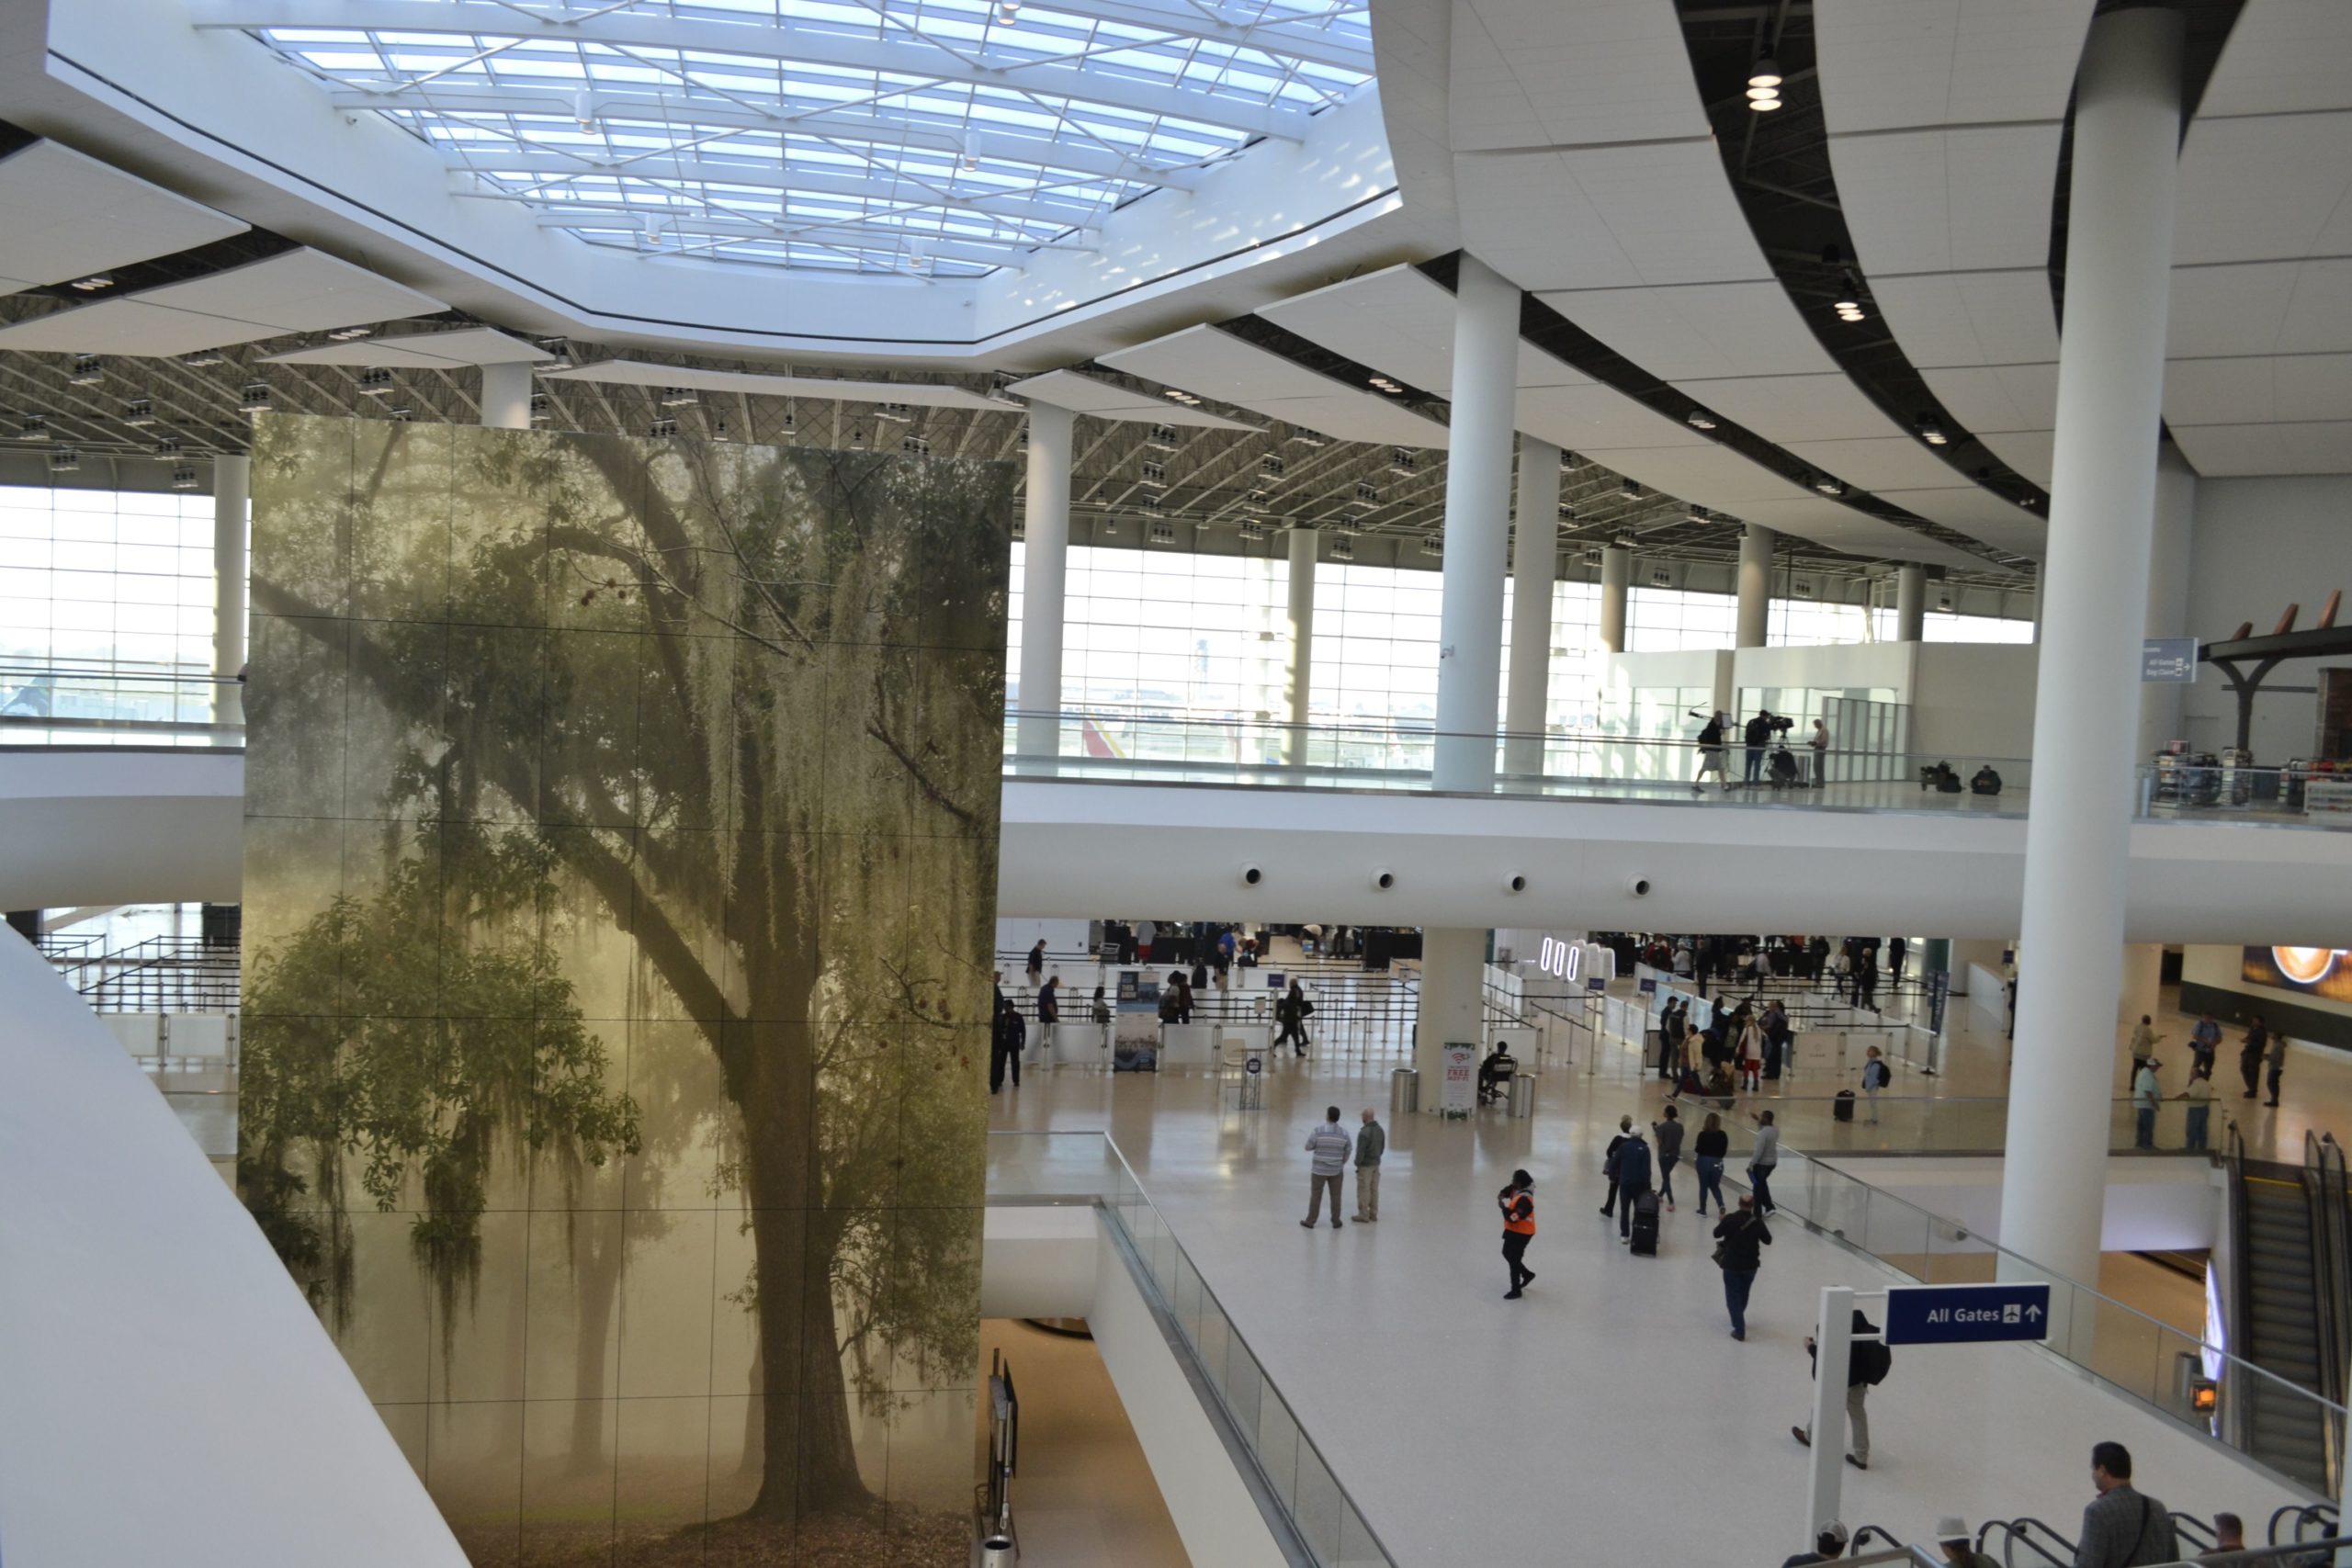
620	878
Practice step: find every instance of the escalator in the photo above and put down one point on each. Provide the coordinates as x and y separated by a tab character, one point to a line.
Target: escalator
2290	1303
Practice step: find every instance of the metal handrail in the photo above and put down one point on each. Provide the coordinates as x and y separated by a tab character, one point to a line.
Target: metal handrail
2302	1515
2331	1245
2021	1528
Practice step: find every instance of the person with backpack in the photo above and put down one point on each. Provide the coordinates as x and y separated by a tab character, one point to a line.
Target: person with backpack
1711	749
1876	1076
1629	1177
1741	1237
1609	1162
1867	1363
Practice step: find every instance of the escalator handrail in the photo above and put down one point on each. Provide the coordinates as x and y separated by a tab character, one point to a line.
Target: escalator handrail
2199	1532
2020	1530
2303	1514
2329	1244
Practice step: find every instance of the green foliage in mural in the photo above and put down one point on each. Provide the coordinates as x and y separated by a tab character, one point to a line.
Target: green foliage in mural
703	732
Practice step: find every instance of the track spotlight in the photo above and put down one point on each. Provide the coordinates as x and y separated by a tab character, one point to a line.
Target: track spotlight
139	413
88	370
254	398
183	477
64	460
35	428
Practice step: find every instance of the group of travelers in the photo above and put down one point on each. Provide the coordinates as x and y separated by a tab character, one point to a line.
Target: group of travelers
1734	1052
1848	966
1769	759
1330	1149
2261	1050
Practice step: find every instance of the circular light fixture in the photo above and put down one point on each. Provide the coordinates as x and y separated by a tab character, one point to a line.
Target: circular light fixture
1764	106
1763	92
1767	74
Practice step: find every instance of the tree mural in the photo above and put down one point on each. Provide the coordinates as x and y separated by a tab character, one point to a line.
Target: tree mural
732	712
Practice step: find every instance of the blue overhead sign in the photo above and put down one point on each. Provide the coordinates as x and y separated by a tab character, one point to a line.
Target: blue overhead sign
1966	1315
2169	659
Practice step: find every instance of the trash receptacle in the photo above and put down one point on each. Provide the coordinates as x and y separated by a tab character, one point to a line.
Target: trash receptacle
1404	1092
996	1552
1522	1095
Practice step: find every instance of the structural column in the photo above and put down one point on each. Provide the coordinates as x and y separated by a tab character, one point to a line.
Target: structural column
1045	531
1477	519
1453	983
1755	585
1910	604
507	396
1616	588
1534	555
2160	701
2094	591
231	490
1305	545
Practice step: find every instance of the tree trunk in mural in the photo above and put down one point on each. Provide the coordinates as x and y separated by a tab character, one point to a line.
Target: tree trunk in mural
757	737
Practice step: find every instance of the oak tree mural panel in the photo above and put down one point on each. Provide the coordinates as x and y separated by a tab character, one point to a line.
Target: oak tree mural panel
621	858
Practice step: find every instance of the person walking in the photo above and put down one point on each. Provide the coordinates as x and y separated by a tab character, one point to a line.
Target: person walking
1841	974
1876	1076
2123	1527
2276	1060
1609	1162
1707	1152
1037	964
1329	1143
1146	933
1629	1178
1741	1237
2144	1042
1050	1009
1897	950
1290	1013
2250	1053
2200	1095
1517	1202
1669	1133
1371	1142
2204	1045
1711	749
1866	980
2145	1099
1761	1159
1778	1042
1867	1363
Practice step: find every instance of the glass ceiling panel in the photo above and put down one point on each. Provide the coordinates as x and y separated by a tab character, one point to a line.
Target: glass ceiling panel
927	138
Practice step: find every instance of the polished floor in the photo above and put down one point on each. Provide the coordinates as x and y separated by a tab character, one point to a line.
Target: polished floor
1084	1494
1611	1398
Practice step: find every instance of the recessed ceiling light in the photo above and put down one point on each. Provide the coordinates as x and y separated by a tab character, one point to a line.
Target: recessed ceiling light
1828	486
1931	432
203	358
351	334
94	282
1698	420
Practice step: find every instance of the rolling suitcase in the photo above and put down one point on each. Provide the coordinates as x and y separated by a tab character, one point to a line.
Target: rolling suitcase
1645	1231
1842	1108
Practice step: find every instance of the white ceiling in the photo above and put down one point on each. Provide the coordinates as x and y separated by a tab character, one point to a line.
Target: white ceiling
298	291
1945	119
1217	365
1411	321
1102	399
2257	378
70	216
421	351
1587	171
640	373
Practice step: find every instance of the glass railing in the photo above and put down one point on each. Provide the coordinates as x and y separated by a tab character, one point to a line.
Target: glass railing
64	705
1082	1166
2198	1384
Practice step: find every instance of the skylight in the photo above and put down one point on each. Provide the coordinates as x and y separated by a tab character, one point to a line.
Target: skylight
921	138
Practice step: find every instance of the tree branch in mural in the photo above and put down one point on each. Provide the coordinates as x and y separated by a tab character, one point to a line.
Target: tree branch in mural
434	1053
744	706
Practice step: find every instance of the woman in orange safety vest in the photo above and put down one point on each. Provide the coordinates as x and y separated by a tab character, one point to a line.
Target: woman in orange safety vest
1518	1203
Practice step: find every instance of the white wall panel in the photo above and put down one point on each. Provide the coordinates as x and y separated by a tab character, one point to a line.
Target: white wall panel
1971	318
1890	63
1699	330
70	216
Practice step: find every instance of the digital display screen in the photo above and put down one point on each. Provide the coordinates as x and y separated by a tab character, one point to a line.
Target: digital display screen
2320	971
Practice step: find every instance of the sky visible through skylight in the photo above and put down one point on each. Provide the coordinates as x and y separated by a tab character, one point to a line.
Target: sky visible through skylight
921	137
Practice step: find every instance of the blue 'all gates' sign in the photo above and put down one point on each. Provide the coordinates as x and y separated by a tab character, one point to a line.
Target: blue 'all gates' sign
1966	1315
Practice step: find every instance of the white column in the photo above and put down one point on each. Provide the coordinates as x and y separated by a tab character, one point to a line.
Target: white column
231	490
1534	555
1616	588
1478	517
1755	585
2110	373
1833	1337
2160	701
1045	531
507	396
1305	546
1910	604
1454	979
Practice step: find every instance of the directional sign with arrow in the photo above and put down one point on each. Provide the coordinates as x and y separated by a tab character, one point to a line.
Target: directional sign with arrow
1965	1314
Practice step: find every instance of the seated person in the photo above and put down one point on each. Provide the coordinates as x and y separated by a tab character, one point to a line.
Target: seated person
1496	1072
